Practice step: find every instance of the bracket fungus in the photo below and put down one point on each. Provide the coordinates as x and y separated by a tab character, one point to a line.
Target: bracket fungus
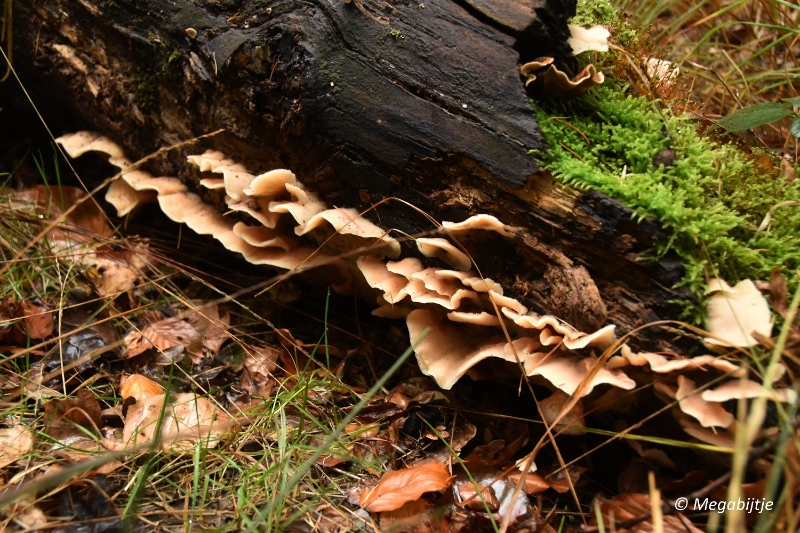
275	221
549	79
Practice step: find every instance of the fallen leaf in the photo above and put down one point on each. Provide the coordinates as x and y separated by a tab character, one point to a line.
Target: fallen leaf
83	410
399	487
212	326
37	322
15	442
261	361
163	335
418	516
559	482
186	419
496	453
778	292
735	313
139	387
6	317
630	505
534	483
468	496
119	270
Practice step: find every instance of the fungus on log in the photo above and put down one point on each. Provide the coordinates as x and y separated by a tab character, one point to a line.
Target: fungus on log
362	101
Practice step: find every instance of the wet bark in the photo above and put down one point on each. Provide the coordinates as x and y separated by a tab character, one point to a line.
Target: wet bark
419	100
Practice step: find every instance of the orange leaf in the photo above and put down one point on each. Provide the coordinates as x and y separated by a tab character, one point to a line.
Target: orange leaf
38	321
401	486
139	387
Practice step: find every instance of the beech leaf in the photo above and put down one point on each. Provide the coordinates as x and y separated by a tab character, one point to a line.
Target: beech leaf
15	442
163	335
138	387
399	487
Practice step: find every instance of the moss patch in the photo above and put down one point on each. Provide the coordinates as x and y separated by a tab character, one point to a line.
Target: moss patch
712	198
593	12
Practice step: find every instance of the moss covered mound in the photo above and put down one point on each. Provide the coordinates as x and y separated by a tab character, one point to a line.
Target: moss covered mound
711	196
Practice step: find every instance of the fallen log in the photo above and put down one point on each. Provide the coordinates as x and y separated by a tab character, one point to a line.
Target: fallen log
364	100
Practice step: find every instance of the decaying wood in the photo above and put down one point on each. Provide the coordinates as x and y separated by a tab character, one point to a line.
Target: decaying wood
365	100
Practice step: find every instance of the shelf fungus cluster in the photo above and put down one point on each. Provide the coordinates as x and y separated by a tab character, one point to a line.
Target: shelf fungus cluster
274	220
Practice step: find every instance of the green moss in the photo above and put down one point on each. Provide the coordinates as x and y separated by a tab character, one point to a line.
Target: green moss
144	90
593	12
712	199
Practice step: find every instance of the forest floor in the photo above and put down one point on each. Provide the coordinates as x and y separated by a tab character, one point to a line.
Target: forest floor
148	385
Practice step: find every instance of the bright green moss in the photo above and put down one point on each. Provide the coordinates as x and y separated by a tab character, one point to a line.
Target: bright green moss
593	12
712	199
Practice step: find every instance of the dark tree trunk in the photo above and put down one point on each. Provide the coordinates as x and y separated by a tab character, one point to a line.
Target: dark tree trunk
419	100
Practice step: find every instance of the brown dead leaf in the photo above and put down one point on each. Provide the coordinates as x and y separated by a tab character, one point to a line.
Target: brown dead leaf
6	316
119	270
139	387
418	516
559	482
37	322
212	324
186	419
83	410
84	223
261	361
496	453
15	441
469	497
163	335
534	483
399	487
778	292
628	506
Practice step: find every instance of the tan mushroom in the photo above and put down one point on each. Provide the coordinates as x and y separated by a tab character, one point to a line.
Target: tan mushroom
378	276
444	250
272	183
125	198
405	267
709	414
480	222
77	144
529	70
477	319
737	388
558	84
660	364
262	236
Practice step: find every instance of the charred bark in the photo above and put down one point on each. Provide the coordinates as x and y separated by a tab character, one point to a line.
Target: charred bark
363	101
